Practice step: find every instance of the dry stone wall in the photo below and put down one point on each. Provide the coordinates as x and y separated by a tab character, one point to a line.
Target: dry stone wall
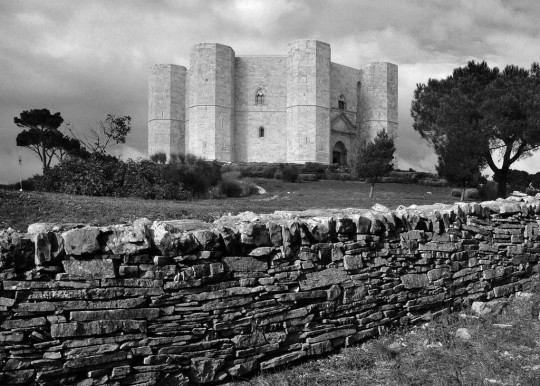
175	302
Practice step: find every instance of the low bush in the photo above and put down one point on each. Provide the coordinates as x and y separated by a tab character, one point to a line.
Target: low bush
230	187
27	185
250	171
269	171
103	175
289	173
314	167
472	194
488	191
195	174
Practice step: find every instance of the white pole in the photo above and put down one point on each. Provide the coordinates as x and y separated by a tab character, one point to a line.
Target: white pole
20	177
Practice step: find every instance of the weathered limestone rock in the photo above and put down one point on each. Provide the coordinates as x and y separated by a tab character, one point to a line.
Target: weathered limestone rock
49	247
63	330
352	262
82	241
415	280
324	278
245	263
254	234
127	240
172	237
204	370
135	313
281	360
90	269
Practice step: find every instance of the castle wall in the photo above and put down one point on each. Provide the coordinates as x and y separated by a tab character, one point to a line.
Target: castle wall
308	101
379	98
211	102
173	302
343	81
252	73
210	110
166	112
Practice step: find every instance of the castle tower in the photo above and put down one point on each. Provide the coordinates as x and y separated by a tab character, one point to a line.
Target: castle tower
211	102
378	99
308	101
166	109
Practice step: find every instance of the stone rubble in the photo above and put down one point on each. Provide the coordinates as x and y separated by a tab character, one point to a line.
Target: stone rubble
179	302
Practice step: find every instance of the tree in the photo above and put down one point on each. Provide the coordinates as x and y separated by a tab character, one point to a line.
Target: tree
111	131
372	160
500	110
42	136
159	158
459	161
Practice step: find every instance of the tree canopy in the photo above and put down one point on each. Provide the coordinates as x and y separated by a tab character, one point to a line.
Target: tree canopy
372	160
110	131
41	134
490	116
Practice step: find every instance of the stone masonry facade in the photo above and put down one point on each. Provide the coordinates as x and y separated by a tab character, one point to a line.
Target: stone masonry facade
297	108
187	302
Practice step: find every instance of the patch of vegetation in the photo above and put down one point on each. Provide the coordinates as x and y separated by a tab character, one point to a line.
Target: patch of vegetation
289	173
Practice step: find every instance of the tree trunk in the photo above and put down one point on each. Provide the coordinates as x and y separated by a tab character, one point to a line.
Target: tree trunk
502	178
371	189
462	194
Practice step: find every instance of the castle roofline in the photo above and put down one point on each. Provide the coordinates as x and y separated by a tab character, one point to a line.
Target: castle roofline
308	40
209	44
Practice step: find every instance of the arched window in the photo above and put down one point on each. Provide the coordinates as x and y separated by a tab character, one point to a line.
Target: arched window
261	132
341	102
260	96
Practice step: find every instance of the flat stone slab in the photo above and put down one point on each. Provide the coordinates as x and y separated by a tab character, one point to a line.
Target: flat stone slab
89	269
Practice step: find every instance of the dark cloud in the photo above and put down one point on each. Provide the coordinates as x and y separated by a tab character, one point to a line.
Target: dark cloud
88	59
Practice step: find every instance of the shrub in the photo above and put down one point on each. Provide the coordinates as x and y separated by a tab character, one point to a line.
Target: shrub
278	175
196	174
314	167
109	176
159	158
289	173
488	191
269	171
456	193
27	185
230	187
472	194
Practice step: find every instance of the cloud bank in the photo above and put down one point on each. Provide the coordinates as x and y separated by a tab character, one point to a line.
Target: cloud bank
89	59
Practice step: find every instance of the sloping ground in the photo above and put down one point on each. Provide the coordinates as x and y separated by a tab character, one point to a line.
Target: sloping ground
19	209
498	344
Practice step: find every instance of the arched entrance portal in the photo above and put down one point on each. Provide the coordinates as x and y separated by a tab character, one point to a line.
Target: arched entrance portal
339	153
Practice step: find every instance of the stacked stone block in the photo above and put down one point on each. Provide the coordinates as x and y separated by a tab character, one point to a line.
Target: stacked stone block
173	302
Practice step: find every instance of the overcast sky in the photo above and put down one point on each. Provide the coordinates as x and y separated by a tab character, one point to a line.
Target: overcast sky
90	58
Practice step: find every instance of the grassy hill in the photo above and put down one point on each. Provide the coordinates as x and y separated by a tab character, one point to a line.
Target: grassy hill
19	209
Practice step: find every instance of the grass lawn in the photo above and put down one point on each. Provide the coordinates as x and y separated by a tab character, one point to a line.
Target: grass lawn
18	210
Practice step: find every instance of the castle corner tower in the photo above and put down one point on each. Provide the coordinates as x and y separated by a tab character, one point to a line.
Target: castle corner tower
166	109
210	129
308	102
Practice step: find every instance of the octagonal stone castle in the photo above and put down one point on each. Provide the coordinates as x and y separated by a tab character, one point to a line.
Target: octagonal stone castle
294	108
